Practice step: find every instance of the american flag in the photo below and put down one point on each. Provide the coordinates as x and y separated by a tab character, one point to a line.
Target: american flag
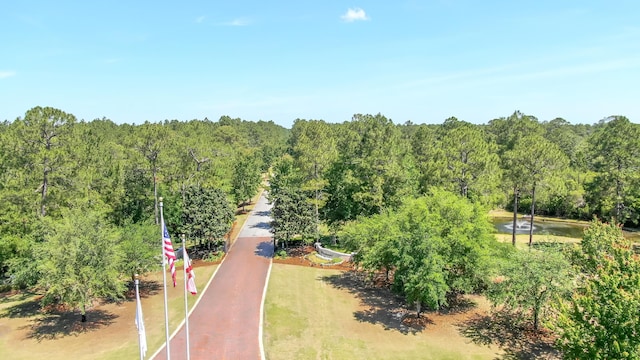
168	252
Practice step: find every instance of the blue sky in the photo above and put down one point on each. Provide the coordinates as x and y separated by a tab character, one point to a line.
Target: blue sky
423	61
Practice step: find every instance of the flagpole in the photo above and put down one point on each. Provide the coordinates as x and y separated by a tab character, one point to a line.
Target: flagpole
136	281
186	258
164	282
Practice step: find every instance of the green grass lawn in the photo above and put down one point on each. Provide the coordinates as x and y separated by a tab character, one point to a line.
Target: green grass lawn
522	240
500	213
308	315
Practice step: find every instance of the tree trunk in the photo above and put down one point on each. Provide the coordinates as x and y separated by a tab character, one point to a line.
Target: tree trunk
418	308
155	191
533	210
515	216
618	196
45	186
83	314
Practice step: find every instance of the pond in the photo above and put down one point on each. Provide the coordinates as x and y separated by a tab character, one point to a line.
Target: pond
558	228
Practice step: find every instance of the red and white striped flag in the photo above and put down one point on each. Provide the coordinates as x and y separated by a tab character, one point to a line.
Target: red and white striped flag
191	276
168	251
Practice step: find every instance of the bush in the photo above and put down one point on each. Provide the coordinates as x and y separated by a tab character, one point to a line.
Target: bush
281	254
214	256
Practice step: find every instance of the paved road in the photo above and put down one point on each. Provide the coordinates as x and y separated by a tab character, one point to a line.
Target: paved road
226	322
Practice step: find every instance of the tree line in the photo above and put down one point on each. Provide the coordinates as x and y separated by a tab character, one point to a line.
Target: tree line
364	166
411	202
79	199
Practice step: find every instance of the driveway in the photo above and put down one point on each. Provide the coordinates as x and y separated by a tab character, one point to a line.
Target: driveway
226	323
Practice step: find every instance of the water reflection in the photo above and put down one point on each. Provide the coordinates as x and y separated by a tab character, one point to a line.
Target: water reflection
505	226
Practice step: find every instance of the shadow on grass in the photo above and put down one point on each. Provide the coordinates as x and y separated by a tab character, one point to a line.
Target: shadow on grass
518	343
23	310
383	307
145	287
14	296
56	325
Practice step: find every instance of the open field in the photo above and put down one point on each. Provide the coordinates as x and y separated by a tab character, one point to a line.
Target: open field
312	313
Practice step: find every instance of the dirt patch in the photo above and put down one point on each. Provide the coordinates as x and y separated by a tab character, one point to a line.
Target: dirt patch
518	341
468	315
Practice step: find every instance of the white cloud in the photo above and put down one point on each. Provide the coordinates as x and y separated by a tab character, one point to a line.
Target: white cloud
200	19
237	22
7	74
354	14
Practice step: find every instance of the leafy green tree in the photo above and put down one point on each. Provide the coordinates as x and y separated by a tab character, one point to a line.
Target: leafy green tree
80	260
375	240
374	170
285	176
529	281
470	164
21	244
246	179
292	214
436	246
44	132
465	232
515	178
427	152
314	149
538	160
615	156
506	132
140	245
136	204
98	164
600	320
152	140
567	137
207	214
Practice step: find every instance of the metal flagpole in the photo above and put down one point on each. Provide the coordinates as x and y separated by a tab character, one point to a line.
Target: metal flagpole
186	305
164	282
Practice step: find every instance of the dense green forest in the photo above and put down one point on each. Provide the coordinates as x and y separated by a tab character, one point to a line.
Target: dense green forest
363	166
50	163
79	200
